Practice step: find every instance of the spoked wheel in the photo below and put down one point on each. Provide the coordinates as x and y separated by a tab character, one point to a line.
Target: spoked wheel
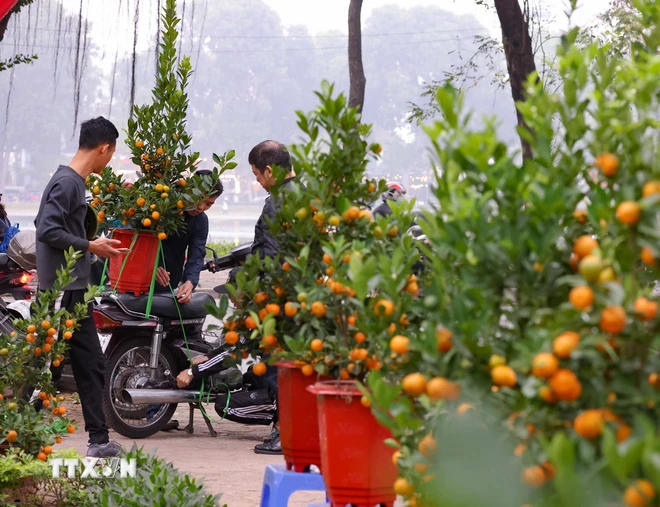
128	368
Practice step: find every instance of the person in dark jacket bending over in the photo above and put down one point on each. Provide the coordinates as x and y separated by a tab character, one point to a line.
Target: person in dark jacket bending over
191	241
262	159
60	225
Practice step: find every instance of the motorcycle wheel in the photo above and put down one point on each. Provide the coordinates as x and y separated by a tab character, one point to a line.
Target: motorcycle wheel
128	367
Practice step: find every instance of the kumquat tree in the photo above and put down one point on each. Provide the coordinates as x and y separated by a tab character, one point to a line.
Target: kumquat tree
540	328
26	354
308	305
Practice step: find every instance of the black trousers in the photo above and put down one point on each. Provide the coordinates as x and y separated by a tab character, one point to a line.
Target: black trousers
88	366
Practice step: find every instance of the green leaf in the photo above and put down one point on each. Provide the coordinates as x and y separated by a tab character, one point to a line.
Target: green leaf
614	461
269	326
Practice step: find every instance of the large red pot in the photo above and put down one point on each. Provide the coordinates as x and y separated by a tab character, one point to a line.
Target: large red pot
138	270
6	6
299	423
357	465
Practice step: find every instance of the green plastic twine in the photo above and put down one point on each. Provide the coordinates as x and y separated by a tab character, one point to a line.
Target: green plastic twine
185	339
123	264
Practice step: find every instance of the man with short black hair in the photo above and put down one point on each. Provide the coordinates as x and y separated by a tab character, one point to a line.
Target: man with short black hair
189	243
263	158
60	224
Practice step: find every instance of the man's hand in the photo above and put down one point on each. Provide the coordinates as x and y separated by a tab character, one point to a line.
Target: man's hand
103	247
184	294
163	277
183	379
199	359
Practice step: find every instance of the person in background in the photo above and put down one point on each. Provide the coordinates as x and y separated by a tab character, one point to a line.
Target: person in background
395	191
179	272
60	225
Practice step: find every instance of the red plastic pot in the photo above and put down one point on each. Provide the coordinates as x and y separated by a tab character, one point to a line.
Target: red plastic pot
6	6
138	270
357	465
299	423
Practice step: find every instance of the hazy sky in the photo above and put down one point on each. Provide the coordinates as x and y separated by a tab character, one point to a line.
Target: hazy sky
318	15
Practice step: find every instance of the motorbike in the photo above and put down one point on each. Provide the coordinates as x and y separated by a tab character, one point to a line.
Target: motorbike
16	273
146	353
14	279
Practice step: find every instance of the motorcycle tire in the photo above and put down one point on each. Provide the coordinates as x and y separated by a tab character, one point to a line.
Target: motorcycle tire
113	414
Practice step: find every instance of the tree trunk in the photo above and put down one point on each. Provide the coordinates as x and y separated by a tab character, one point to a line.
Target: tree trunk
355	68
519	53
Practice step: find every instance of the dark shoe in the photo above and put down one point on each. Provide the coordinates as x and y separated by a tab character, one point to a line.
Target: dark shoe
275	433
272	447
172	425
109	450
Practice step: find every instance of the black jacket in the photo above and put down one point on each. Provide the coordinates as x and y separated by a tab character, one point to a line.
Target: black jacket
190	241
264	243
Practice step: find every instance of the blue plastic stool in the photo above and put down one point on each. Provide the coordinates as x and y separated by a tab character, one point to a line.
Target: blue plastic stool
280	484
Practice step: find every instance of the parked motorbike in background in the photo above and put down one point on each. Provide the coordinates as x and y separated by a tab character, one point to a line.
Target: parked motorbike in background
145	354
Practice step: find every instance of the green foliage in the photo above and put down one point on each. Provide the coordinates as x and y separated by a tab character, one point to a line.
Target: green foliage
159	143
157	484
16	60
502	251
221	248
28	481
25	358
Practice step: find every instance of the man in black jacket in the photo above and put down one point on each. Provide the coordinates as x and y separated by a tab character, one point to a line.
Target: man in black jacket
258	406
60	225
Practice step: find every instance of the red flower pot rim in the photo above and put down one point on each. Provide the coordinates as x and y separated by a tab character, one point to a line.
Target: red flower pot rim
286	364
335	388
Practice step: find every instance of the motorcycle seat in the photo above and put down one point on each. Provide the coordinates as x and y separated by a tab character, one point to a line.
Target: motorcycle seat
4	261
164	305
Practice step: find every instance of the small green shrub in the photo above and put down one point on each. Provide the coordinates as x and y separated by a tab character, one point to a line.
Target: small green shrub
156	484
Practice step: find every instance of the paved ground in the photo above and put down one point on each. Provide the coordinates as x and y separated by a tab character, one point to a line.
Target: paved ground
227	461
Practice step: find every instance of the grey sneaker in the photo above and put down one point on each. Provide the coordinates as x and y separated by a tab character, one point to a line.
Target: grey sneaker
109	450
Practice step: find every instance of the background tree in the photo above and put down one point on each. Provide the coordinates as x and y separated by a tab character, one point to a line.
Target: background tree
355	67
519	53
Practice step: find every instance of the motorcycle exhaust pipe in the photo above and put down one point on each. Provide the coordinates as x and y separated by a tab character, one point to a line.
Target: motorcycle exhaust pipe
158	396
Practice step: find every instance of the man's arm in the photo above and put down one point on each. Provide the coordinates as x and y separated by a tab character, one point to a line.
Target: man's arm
53	220
267	245
215	363
196	254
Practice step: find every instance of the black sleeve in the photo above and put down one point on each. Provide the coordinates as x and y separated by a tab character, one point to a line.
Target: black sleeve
196	253
215	363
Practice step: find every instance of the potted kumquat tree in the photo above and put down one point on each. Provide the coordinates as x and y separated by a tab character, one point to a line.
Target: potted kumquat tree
151	208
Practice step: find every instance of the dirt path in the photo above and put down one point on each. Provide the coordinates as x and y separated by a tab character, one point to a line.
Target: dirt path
227	462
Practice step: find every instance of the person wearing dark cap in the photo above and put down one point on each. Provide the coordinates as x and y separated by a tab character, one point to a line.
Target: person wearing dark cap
184	252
